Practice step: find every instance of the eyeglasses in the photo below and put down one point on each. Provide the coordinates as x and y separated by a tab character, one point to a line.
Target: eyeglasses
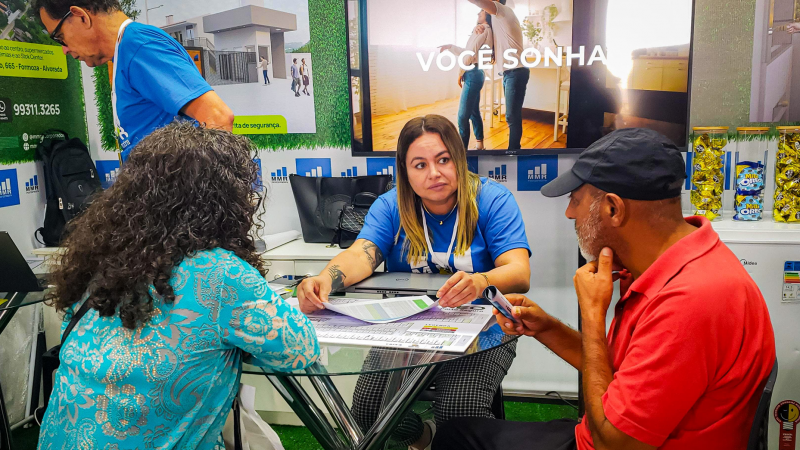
58	28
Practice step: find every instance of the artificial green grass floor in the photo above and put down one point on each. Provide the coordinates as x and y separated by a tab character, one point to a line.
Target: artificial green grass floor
299	438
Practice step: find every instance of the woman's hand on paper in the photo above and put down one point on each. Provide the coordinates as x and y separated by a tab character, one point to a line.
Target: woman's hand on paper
460	289
313	292
531	319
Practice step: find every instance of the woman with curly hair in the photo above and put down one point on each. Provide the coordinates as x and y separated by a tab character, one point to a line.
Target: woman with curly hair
177	299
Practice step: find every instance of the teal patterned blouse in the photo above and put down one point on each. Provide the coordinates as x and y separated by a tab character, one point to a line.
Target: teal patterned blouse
170	383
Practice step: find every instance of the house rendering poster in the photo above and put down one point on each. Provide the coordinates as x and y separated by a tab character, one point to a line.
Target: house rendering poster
252	52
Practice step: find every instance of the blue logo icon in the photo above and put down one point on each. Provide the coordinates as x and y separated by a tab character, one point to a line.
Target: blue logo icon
499	174
351	172
32	186
381	166
259	186
472	164
108	171
9	192
279	175
314	167
533	172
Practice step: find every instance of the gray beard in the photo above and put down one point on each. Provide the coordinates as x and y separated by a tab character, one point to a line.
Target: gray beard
589	232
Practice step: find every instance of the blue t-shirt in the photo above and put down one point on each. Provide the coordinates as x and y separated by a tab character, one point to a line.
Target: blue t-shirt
155	79
500	229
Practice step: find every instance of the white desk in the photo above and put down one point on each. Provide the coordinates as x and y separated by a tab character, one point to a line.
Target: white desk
47	252
298	258
293	258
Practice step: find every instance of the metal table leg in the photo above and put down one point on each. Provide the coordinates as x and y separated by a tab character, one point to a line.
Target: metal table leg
396	405
5	429
301	403
396	378
5	317
336	406
389	417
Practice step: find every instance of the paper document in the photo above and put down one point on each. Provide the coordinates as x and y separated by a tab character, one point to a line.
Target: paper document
443	329
380	310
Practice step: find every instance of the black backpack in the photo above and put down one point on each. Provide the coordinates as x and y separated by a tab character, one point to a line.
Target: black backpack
70	178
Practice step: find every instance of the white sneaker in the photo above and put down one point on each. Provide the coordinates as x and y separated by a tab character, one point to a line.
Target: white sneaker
432	426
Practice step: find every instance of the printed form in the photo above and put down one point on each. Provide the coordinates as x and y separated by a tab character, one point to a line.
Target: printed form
437	328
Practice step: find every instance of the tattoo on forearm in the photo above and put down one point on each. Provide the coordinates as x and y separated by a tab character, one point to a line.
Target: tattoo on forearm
374	254
337	278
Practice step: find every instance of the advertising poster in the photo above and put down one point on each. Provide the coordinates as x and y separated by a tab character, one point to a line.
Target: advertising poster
40	87
524	75
251	52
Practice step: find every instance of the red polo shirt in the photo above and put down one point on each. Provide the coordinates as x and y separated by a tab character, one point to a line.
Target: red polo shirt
691	346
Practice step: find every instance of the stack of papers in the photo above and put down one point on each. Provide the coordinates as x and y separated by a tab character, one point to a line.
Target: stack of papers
435	328
380	311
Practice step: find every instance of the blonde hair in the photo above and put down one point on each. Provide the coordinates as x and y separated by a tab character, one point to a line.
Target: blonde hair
409	202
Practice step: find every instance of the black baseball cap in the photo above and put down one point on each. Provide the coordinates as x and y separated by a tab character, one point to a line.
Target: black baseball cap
634	163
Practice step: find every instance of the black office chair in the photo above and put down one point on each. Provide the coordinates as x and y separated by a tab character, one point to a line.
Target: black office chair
758	434
498	408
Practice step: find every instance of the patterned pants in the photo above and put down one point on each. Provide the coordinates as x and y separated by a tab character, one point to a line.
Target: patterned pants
465	387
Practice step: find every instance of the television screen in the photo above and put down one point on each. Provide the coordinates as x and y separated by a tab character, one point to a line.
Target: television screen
520	76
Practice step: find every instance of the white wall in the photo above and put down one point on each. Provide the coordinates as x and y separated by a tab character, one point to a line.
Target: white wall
22	220
235	40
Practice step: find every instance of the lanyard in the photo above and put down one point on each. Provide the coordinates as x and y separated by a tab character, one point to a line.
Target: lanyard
434	257
117	126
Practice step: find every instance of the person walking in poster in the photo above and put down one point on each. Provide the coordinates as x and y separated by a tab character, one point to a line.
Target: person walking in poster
296	82
264	65
471	81
154	78
508	36
305	74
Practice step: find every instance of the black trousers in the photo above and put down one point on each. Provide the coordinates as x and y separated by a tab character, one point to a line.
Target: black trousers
475	433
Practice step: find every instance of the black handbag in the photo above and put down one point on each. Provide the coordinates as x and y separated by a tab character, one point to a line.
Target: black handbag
320	201
352	219
51	359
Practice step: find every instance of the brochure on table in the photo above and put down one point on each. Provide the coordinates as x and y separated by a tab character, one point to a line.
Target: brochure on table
443	329
381	310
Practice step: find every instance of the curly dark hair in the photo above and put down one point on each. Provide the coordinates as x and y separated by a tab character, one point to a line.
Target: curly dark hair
57	8
184	189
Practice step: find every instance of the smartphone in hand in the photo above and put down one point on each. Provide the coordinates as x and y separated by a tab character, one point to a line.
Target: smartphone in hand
498	300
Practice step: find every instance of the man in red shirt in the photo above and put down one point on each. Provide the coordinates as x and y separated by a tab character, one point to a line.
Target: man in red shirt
691	344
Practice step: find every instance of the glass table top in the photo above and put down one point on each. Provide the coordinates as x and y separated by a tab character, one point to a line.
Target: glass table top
22	300
337	359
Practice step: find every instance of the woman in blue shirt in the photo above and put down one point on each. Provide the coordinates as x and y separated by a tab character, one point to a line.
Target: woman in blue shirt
178	300
440	219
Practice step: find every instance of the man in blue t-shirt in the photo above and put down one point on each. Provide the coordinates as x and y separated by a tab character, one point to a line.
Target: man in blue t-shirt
154	79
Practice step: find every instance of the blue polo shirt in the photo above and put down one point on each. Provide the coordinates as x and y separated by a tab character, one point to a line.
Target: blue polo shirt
500	229
156	77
